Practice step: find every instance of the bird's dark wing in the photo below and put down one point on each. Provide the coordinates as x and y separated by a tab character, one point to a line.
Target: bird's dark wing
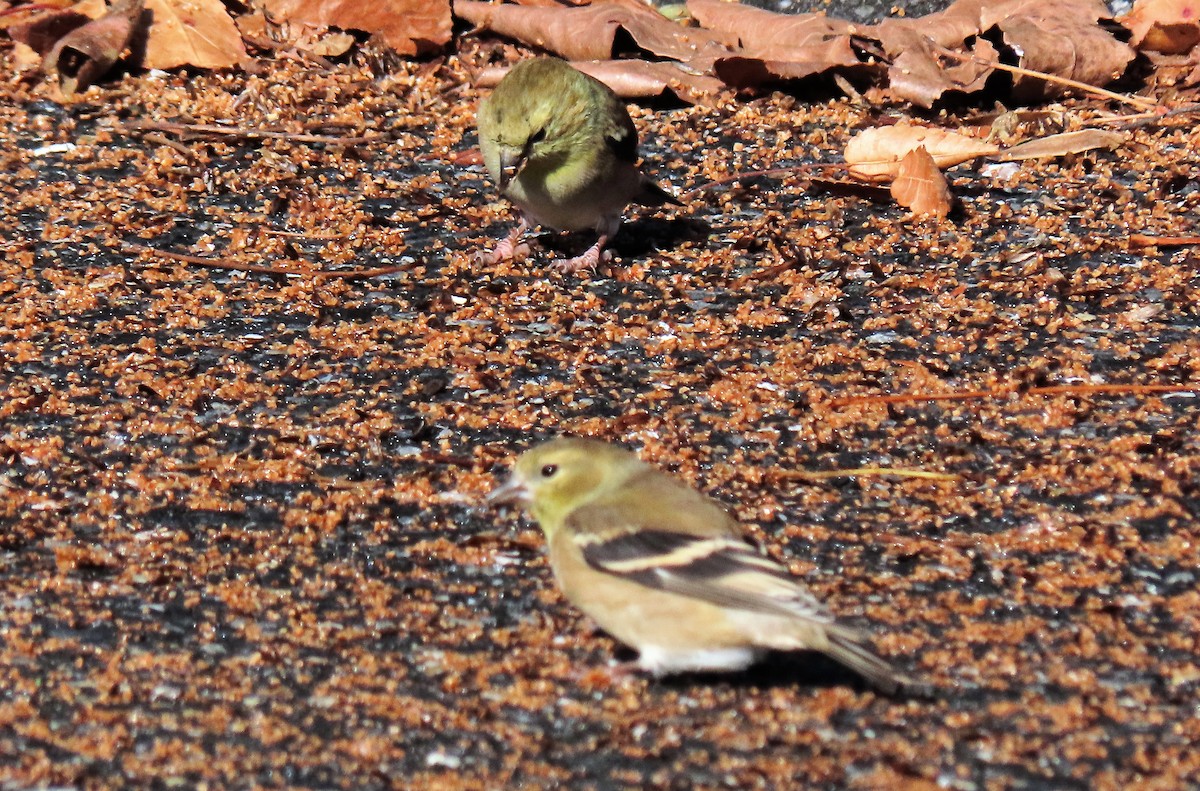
723	570
622	137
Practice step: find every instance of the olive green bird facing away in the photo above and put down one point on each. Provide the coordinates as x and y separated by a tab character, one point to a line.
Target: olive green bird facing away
561	146
665	570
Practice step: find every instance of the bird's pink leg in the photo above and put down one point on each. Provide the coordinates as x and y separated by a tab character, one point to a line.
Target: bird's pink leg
590	259
510	248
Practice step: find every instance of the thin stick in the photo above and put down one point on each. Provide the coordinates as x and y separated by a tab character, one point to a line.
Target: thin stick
1142	240
1088	389
821	475
1151	118
249	134
310	237
163	140
1141	104
226	264
900	398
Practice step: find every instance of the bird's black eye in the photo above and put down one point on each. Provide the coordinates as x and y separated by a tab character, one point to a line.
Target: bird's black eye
549	470
537	136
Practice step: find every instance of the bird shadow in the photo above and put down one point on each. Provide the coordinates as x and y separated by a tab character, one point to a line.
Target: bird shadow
643	235
635	239
780	669
776	669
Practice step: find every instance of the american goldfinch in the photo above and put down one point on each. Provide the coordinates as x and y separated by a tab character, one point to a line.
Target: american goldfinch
560	145
665	570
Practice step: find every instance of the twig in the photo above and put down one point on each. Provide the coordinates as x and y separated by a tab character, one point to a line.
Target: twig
1131	389
309	237
1142	240
163	140
1148	118
233	131
1141	104
222	263
900	398
821	475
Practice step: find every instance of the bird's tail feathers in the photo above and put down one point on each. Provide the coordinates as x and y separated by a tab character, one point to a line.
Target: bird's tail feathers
654	195
847	650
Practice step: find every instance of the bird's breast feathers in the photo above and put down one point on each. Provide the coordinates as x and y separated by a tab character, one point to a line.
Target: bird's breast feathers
575	193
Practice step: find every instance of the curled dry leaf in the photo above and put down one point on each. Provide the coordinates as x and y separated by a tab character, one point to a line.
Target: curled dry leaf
590	32
87	53
924	57
767	35
767	46
916	71
920	186
411	27
1061	145
1063	38
637	79
875	154
40	32
196	33
1171	27
320	41
642	79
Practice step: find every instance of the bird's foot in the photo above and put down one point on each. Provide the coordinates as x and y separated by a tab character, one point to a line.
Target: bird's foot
591	258
510	248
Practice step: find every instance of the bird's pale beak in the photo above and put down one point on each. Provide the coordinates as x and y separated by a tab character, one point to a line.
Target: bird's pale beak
511	165
513	490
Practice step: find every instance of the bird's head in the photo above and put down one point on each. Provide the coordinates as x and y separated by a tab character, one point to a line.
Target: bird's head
535	115
555	478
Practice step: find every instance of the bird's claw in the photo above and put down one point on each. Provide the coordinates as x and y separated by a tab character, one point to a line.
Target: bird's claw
510	248
589	260
505	251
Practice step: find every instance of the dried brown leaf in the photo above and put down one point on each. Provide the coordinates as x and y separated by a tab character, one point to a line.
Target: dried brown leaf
771	47
1168	26
920	185
12	16
947	28
196	33
591	32
330	45
1063	38
638	79
410	27
768	35
875	154
917	73
87	53
1062	144
42	31
25	57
